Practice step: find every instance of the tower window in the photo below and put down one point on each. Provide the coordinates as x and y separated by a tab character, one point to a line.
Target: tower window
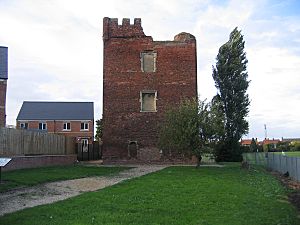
148	101
148	61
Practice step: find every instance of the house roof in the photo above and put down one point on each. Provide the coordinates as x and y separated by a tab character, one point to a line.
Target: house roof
3	63
268	141
56	111
246	142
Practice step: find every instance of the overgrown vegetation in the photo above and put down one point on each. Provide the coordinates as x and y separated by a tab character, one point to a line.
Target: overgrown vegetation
99	129
176	195
30	177
187	129
197	127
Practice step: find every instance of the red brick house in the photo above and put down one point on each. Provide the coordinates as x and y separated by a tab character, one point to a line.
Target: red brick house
141	79
73	119
3	84
268	141
246	142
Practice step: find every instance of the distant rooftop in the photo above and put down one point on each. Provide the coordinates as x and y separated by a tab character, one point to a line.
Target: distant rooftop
56	111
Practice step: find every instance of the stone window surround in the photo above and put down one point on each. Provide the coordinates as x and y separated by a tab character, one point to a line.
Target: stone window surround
155	99
148	52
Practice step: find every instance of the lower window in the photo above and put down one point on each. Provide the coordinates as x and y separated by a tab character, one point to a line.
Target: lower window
148	101
42	126
67	126
24	126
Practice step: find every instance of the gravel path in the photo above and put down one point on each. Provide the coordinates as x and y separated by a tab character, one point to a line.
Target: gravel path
15	200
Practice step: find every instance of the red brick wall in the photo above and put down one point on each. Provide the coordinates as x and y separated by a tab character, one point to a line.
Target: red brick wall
57	128
22	162
3	84
175	78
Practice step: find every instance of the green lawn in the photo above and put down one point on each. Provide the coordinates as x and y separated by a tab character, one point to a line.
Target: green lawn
292	154
176	195
29	177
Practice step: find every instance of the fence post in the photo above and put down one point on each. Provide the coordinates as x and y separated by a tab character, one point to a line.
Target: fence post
255	155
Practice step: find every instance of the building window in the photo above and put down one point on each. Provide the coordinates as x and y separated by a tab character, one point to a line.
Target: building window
67	126
24	126
42	126
148	61
85	142
84	126
148	101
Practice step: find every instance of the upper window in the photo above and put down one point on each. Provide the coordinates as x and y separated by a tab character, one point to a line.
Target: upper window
148	62
148	101
24	126
67	126
84	126
42	126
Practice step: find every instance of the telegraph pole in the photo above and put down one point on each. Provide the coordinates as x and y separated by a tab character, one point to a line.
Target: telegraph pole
266	134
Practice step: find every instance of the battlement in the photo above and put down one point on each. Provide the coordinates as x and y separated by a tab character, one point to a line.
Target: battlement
111	28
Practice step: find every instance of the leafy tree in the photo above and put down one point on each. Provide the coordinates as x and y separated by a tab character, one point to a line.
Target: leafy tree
99	129
266	147
283	146
187	129
230	78
295	146
253	145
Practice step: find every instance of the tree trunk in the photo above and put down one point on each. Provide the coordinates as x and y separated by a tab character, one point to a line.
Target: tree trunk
199	161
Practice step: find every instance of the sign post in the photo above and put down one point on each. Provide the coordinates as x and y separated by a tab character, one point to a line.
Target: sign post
3	162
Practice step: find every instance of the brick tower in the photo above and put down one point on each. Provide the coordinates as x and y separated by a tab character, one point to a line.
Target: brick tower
3	85
141	79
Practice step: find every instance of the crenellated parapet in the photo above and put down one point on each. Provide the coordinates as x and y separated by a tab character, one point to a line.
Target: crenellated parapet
111	28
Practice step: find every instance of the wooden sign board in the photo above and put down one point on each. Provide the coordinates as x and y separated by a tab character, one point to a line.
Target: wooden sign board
4	161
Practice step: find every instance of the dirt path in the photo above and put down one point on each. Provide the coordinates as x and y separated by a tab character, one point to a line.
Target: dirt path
15	200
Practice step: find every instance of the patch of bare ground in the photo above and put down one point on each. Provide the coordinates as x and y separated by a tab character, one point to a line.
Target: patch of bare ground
22	198
289	183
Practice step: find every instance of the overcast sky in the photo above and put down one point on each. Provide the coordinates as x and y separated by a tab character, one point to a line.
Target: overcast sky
56	51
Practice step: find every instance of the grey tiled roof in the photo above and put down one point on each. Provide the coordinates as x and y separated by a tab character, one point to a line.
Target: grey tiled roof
56	111
3	63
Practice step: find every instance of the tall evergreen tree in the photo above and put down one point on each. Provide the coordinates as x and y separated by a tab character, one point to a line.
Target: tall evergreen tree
230	75
99	129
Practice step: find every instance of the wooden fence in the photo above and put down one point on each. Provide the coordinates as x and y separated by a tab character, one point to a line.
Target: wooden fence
23	142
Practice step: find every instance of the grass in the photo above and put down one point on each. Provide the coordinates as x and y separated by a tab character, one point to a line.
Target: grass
291	154
30	177
176	195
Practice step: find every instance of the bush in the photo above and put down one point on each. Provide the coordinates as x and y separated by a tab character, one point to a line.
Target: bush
283	146
245	149
228	152
295	146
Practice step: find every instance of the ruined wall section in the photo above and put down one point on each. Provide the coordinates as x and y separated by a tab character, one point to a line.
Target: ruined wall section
111	28
123	80
3	83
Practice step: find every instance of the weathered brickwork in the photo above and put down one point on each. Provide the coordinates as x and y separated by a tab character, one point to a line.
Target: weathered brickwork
3	86
128	132
22	162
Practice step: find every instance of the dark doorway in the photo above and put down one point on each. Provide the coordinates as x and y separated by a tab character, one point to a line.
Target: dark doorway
132	149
